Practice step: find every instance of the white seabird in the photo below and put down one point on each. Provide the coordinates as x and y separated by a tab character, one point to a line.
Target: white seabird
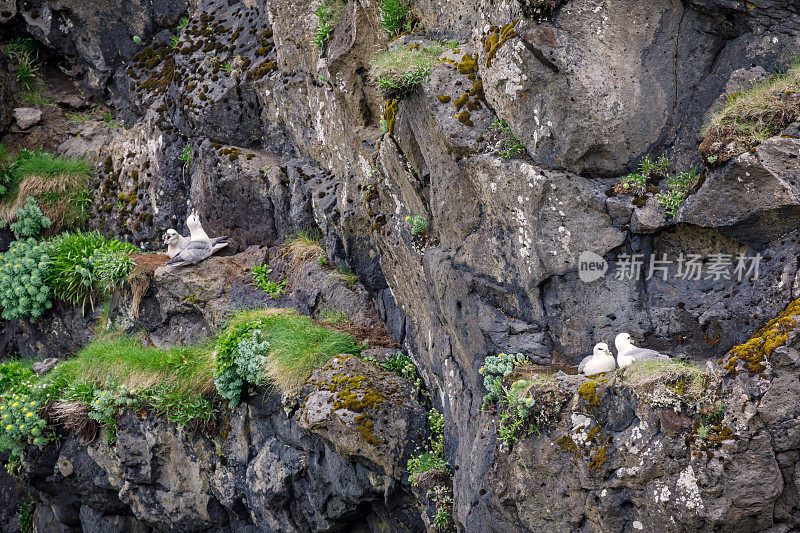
175	241
199	246
601	360
628	354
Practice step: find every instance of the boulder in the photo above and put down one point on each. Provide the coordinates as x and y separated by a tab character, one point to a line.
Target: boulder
27	117
363	411
755	197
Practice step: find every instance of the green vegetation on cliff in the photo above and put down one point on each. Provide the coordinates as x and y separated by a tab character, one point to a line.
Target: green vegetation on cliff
749	117
290	347
399	70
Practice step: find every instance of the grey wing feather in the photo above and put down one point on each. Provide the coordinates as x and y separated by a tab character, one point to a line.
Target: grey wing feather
193	251
582	364
217	240
645	354
218	246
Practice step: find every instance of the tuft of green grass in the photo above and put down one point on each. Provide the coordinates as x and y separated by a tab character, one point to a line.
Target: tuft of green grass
395	16
35	98
177	382
45	164
305	245
187	370
85	266
79	118
333	317
749	117
398	71
327	14
346	274
297	345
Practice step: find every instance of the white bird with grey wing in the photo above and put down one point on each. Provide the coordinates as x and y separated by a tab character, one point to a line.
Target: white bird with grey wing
175	241
199	246
601	360
627	353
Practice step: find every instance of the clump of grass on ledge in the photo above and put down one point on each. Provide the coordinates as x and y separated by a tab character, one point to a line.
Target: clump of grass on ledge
682	387
749	117
124	360
289	347
398	71
306	245
58	184
395	16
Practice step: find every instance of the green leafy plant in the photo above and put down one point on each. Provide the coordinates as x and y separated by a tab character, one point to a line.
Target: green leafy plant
398	71
508	145
404	366
6	170
20	423
418	224
186	154
24	54
495	368
327	14
444	514
183	23
82	202
107	402
678	189
25	515
296	346
23	289
137	39
173	41
262	280
75	277
30	220
112	263
395	16
431	460
636	182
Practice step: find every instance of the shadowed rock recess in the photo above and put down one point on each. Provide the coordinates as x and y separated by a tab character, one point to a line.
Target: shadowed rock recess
447	218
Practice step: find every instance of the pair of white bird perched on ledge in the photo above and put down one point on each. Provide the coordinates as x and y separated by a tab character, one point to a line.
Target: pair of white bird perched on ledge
602	360
198	246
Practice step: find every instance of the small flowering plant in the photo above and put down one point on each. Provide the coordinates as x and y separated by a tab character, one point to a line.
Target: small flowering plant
417	224
20	424
23	291
107	403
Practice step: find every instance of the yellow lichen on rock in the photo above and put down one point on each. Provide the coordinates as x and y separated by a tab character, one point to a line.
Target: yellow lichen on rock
754	353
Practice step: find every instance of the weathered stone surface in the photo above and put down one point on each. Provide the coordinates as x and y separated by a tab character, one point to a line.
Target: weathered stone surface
99	36
163	478
26	117
61	331
290	141
363	412
754	198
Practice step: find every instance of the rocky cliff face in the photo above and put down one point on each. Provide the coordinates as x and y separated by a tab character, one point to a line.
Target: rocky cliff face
284	136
